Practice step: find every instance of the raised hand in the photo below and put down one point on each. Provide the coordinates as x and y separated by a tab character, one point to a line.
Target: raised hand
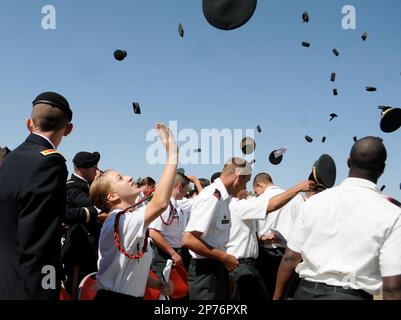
307	185
167	138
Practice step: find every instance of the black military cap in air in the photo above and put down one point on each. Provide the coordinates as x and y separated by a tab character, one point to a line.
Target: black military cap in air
248	145
136	108
364	36
259	129
305	44
56	100
305	17
181	30
228	14
336	53
355	139
332	116
120	55
275	160
370	89
309	139
215	176
86	159
382	188
324	172
333	77
323	139
335	92
390	119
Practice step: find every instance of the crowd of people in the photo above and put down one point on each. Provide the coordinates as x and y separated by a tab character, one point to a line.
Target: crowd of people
339	243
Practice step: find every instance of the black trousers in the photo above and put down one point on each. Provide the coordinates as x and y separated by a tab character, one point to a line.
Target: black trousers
308	290
208	280
268	263
250	285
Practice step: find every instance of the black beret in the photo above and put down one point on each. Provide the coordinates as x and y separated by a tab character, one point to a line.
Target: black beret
86	159
4	152
215	176
56	100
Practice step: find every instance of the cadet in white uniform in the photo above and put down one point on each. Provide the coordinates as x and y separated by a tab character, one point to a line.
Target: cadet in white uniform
243	243
349	237
207	233
123	270
167	230
274	229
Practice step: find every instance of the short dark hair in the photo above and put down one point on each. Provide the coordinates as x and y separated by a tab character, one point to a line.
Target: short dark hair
147	181
181	179
262	178
368	154
49	118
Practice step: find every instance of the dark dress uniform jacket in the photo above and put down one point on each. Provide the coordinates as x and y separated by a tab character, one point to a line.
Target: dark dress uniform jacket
82	239
32	202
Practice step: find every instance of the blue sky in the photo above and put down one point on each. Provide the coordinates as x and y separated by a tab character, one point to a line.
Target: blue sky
258	74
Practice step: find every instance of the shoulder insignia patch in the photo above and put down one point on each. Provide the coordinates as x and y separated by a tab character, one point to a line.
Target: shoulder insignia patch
217	194
48	152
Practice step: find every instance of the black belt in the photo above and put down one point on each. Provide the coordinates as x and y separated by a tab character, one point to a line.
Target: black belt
328	288
206	262
247	261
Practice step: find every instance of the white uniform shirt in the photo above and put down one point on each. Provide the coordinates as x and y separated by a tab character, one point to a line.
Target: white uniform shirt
348	236
143	204
116	272
210	215
172	232
282	219
243	241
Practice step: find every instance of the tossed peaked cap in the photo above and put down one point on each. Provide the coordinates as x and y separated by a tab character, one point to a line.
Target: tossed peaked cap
228	14
120	55
305	17
364	36
136	108
248	145
181	30
56	100
309	139
275	160
324	172
390	119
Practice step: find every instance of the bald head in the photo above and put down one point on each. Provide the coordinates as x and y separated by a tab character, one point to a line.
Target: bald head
367	158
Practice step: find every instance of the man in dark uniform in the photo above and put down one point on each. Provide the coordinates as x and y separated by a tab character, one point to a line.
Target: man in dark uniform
32	202
84	221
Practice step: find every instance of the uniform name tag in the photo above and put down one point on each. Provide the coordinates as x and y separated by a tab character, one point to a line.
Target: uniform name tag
225	221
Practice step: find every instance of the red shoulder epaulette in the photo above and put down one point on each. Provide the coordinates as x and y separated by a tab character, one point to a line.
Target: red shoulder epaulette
217	194
49	152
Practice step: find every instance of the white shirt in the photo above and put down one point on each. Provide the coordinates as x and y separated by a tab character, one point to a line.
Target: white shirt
171	232
348	236
243	241
138	198
282	219
79	177
210	215
116	272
